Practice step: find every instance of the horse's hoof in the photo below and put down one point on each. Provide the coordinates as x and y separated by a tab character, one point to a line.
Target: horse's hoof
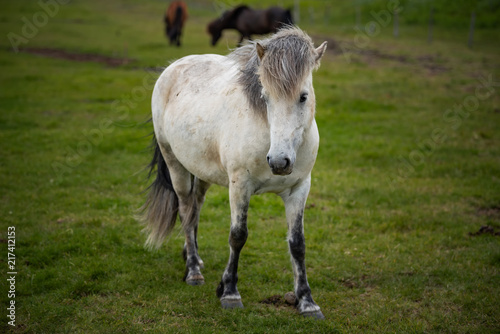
318	315
195	280
231	303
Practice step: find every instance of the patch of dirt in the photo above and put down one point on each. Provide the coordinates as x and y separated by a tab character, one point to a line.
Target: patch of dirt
377	54
432	64
492	212
80	57
485	230
429	62
278	301
348	283
352	283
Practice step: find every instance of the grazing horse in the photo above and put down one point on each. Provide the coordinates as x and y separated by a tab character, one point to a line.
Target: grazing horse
175	16
249	22
244	121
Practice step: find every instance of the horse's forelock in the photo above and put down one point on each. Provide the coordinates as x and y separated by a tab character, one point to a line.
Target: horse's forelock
288	60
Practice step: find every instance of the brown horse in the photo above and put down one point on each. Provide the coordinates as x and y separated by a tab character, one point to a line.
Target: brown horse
175	16
250	22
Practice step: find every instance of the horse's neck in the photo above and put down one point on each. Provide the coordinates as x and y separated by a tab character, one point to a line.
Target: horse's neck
227	23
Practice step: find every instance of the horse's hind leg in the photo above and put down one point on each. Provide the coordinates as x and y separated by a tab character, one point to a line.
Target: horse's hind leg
189	212
191	193
190	252
184	250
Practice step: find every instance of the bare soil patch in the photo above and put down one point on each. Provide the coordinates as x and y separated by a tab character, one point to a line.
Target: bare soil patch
79	57
485	230
492	212
429	62
280	301
356	283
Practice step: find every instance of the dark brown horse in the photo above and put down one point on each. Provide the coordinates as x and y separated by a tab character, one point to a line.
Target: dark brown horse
175	16
250	22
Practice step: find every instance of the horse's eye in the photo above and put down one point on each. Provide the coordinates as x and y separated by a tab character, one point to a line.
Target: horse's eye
303	98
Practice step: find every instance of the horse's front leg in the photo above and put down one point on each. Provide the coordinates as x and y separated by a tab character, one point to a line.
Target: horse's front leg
295	201
239	197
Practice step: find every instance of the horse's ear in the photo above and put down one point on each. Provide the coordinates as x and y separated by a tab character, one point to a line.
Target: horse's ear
320	50
260	50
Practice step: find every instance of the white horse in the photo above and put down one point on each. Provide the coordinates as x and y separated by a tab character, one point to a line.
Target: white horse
244	121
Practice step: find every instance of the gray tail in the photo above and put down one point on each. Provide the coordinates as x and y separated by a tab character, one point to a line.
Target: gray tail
159	212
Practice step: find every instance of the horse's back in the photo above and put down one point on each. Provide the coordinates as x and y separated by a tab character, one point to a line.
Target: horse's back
263	21
192	76
192	73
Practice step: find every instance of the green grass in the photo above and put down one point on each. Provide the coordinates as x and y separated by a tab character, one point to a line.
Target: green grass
388	217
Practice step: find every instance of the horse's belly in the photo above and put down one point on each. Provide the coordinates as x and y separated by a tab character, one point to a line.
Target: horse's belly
202	161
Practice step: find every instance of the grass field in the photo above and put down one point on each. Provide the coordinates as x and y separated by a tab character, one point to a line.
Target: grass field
402	222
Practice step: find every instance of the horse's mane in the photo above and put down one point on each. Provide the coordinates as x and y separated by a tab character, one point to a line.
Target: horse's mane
289	57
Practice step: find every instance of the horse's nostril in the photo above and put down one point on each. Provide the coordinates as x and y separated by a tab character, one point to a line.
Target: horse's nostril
287	163
281	165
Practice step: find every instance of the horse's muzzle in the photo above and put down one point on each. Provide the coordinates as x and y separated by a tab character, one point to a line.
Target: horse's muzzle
280	165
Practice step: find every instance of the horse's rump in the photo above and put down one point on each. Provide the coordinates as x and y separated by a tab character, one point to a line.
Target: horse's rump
176	12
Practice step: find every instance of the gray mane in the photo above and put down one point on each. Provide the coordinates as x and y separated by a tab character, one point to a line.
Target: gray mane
289	57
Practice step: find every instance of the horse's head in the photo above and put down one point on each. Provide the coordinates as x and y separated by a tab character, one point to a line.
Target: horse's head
285	72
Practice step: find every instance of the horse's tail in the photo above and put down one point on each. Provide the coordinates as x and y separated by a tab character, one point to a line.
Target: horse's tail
159	212
179	15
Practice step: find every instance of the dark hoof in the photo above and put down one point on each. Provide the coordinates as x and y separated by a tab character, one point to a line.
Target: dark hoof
195	280
315	315
231	303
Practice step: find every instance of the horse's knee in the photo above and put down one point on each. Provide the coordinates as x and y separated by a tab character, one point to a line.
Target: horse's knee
297	244
238	236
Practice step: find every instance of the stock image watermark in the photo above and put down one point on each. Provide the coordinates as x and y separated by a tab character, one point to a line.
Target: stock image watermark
11	275
452	119
380	19
32	24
